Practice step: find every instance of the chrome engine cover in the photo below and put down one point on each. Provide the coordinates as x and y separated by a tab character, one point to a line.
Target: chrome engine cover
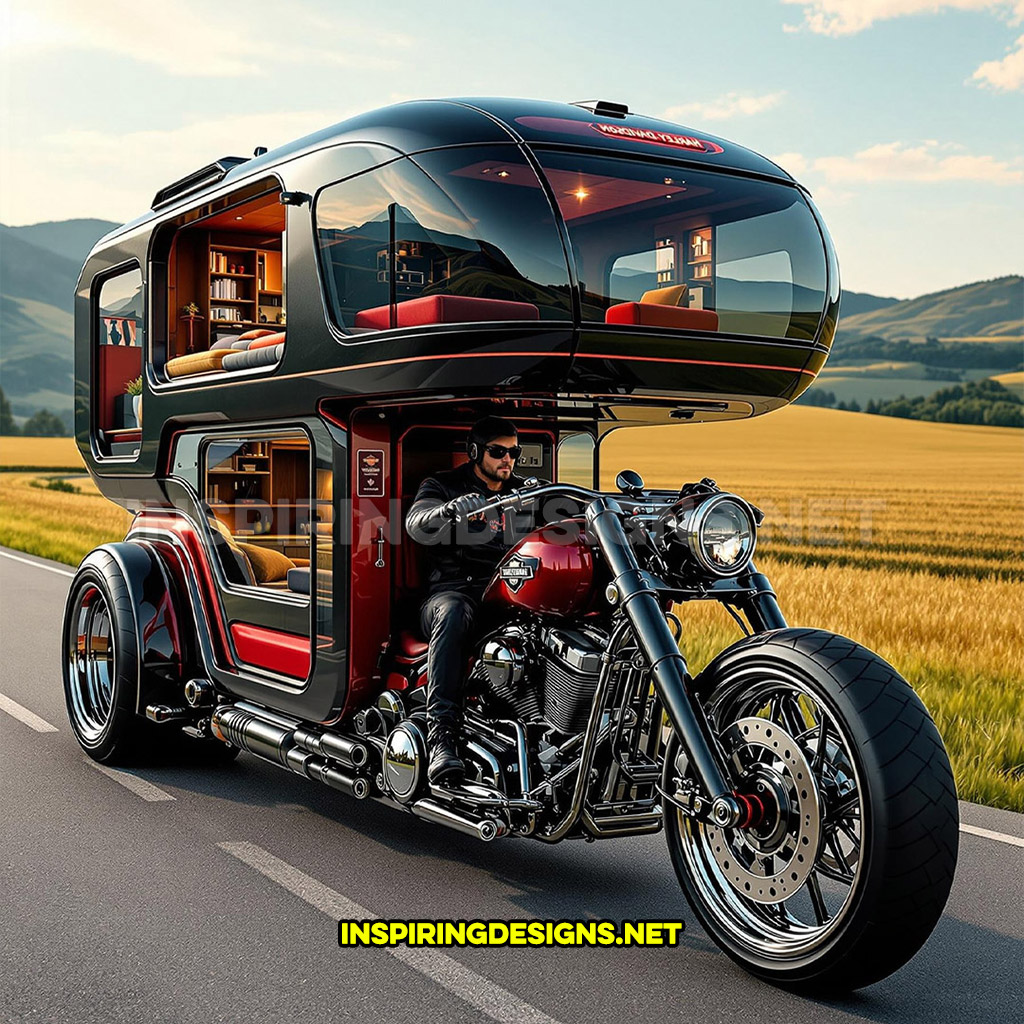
404	762
503	662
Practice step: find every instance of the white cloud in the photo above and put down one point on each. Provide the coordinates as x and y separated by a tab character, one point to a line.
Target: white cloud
1004	75
732	104
793	163
896	161
927	163
230	39
846	17
81	170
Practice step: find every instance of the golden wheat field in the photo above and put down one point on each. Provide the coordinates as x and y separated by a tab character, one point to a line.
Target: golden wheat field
905	536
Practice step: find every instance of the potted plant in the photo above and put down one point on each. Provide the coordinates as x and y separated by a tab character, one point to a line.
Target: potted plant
133	391
190	314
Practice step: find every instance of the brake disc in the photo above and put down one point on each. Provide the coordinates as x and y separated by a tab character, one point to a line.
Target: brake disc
770	862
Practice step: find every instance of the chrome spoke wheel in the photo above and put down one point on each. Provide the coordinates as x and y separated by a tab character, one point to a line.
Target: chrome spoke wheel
91	660
784	885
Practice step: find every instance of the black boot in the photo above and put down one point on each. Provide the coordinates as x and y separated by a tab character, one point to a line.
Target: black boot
445	765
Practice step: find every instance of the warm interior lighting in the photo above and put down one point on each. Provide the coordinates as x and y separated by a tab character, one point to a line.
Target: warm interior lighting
503	174
581	193
238	218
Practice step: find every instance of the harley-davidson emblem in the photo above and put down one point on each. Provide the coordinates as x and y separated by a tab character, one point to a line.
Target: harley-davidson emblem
517	570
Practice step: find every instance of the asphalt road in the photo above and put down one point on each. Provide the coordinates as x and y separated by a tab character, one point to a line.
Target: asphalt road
212	894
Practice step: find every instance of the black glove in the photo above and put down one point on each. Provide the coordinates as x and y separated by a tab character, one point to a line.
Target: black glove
464	506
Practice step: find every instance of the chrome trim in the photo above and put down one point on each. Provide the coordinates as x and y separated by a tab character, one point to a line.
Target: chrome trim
693	533
483	828
92	657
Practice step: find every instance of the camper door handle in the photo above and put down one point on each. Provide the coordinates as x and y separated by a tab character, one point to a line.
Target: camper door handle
379	564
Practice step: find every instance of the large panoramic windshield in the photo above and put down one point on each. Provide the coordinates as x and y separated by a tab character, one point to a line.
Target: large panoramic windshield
458	235
646	235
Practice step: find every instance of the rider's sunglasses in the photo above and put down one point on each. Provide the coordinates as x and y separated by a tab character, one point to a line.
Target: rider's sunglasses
499	451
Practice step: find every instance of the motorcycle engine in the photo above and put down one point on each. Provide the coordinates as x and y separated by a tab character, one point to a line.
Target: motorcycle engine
546	675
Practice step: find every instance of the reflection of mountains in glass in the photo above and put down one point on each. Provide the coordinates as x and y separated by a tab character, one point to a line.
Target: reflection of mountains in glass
468	266
123	309
767	296
407	228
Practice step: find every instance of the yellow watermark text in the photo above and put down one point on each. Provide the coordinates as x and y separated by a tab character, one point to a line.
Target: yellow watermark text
509	933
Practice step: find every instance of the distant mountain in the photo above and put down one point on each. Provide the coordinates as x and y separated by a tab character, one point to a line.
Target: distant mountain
861	302
986	309
71	239
38	272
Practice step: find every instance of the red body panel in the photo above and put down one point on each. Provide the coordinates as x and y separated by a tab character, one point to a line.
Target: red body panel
272	649
550	572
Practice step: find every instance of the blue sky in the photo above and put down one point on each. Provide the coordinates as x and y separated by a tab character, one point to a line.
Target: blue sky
904	117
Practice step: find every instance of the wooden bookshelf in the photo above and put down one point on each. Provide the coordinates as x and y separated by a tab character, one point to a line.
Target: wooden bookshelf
231	277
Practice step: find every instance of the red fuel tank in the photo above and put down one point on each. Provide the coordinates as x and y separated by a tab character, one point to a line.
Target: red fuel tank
550	571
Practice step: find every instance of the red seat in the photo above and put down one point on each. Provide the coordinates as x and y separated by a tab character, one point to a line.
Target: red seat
649	314
410	646
445	309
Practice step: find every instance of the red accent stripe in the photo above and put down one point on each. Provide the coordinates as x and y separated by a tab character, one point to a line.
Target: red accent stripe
286	653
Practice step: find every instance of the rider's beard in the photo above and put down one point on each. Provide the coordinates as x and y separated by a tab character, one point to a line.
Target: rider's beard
499	475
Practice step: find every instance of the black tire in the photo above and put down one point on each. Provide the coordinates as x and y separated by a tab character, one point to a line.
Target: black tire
881	820
100	662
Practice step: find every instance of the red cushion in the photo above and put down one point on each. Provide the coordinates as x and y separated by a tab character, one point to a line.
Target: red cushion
267	340
647	314
446	309
410	645
257	332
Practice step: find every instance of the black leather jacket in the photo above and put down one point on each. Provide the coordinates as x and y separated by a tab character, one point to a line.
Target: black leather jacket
463	556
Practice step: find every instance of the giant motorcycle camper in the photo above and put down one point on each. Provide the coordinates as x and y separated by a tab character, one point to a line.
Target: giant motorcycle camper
315	328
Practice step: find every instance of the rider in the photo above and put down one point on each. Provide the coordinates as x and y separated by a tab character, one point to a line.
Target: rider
462	557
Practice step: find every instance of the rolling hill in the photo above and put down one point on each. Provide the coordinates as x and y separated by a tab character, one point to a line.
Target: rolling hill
984	310
39	267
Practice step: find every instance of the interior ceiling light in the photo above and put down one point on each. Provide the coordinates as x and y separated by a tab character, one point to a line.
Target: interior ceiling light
503	174
581	193
238	218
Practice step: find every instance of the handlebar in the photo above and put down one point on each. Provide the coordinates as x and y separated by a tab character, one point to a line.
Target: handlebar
532	490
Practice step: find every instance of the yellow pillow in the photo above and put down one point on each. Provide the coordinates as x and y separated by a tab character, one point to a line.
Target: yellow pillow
268	566
673	295
195	362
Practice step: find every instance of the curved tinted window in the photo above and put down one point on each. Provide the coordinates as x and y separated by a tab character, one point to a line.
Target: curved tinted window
658	235
453	236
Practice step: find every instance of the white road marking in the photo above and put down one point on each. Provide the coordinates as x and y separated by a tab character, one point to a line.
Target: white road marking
33	721
999	837
38	565
140	787
496	1002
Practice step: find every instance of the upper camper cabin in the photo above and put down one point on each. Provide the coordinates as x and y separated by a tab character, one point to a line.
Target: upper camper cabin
456	247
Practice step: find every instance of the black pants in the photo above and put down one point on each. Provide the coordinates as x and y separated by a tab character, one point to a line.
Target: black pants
446	621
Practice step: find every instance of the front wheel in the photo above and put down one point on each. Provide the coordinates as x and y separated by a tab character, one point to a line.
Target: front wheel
847	871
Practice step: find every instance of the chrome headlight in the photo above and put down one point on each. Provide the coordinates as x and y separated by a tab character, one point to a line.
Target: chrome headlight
717	532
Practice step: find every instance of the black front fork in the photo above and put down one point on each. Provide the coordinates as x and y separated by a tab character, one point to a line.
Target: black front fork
639	603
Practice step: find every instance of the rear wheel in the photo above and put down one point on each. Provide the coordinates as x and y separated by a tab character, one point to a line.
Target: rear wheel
848	869
101	660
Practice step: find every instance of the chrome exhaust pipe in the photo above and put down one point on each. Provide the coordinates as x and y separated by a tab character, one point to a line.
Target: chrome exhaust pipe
484	829
276	737
249	729
304	763
339	748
